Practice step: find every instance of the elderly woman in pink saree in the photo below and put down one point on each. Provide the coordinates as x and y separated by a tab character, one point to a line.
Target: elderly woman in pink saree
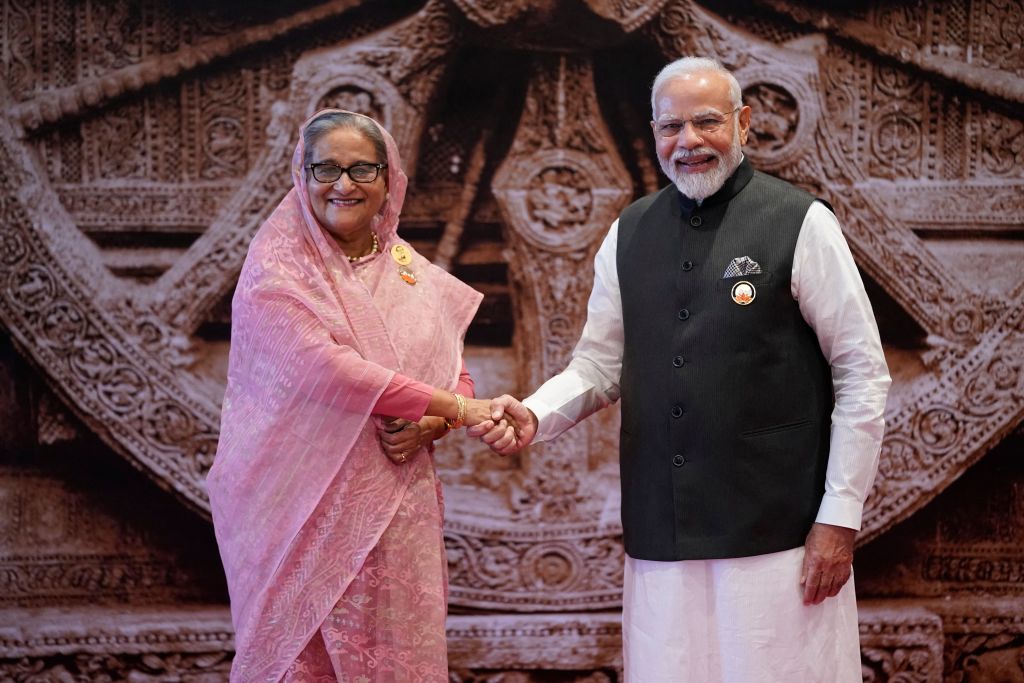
345	365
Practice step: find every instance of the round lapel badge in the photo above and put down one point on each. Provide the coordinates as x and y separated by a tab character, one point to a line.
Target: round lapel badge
401	254
743	292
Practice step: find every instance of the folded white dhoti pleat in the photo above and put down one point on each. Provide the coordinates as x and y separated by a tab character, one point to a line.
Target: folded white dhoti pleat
735	621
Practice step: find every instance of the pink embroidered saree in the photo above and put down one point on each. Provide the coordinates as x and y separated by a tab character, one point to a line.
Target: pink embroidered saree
333	554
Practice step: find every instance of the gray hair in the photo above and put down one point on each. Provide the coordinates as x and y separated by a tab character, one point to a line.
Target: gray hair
331	120
691	65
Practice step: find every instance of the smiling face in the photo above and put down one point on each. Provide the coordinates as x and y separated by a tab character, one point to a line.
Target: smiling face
699	163
344	208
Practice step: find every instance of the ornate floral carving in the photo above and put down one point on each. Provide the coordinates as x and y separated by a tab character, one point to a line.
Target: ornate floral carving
579	642
516	568
900	644
629	14
904	21
352	98
998	31
133	645
68	579
984	638
896	136
12	246
775	116
952	205
1001	141
19	36
223	144
974	570
489	13
110	205
844	94
558	198
207	668
117	146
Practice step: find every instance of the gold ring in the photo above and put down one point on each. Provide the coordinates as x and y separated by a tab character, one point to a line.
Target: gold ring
401	457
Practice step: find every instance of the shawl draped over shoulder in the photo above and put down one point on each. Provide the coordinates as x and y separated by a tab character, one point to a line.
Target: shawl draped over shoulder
312	349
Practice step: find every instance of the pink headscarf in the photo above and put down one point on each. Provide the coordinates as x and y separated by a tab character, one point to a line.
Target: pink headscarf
300	489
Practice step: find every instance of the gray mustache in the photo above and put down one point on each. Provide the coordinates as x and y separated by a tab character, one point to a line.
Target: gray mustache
679	156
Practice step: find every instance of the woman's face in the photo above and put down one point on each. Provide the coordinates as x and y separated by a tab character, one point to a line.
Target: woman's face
346	208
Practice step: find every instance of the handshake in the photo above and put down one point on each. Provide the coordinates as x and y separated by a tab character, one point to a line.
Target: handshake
503	423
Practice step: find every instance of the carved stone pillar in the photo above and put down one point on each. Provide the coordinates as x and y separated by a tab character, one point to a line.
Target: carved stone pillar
560	187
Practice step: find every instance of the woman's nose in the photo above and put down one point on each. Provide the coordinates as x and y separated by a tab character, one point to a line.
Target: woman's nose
344	182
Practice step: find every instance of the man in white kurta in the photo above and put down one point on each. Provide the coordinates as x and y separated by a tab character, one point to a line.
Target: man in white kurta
782	616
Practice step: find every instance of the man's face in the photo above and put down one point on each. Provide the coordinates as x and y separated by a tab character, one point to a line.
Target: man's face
698	132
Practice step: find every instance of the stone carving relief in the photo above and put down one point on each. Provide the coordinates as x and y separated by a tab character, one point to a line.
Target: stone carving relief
559	199
897	139
901	645
559	187
776	119
172	644
139	152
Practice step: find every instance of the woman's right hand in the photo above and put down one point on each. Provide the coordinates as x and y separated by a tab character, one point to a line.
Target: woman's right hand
479	410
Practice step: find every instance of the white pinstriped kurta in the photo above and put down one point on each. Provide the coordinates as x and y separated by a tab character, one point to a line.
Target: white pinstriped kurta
744	619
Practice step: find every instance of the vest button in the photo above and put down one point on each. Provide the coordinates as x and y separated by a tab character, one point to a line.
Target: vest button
678	460
683	314
677	411
687	265
695	221
678	361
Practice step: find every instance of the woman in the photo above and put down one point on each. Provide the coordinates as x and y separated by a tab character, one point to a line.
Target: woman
325	501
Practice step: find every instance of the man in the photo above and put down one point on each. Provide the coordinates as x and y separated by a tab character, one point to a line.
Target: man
729	316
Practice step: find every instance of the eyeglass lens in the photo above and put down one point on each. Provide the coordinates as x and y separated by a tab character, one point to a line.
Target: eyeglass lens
707	123
359	173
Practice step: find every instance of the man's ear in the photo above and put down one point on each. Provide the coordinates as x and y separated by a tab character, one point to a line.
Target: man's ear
744	115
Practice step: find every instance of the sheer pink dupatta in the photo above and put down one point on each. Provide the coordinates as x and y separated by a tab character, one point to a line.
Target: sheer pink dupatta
300	489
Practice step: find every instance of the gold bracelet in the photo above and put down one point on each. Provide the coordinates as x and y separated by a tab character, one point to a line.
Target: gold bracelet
460	415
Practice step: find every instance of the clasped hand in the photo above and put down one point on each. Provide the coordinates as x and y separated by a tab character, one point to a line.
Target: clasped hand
509	427
401	438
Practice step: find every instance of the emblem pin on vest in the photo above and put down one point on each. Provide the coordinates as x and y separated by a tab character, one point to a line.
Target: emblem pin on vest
743	293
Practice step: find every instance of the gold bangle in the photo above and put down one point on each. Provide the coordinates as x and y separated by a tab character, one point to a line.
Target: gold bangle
460	415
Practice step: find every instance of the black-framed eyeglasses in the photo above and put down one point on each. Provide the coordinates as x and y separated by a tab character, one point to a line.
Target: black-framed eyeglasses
328	172
705	123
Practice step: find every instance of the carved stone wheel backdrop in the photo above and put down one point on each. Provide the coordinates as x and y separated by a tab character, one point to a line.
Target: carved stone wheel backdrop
135	171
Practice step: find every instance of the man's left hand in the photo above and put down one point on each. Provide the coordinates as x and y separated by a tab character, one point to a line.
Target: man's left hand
828	561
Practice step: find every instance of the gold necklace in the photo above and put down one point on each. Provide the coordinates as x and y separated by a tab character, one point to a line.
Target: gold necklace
373	249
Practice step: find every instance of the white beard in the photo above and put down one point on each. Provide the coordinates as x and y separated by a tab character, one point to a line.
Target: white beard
700	186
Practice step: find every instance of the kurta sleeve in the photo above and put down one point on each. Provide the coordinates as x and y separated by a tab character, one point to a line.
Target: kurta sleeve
591	380
407	398
831	296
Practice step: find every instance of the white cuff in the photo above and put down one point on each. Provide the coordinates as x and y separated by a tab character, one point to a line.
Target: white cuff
840	512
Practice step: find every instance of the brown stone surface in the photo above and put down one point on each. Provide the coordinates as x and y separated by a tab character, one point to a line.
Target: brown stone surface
142	143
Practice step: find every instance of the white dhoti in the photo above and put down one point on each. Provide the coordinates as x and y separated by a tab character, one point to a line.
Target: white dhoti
737	620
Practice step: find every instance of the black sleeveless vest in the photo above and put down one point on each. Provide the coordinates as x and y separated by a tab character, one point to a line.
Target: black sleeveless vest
725	407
